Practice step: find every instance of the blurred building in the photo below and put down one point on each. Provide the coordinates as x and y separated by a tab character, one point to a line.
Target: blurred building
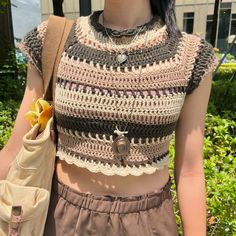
193	16
196	16
70	7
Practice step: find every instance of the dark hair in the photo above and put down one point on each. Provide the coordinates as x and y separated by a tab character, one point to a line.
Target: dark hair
166	10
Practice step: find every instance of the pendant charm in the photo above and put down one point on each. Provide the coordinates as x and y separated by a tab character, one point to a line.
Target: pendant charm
121	58
121	144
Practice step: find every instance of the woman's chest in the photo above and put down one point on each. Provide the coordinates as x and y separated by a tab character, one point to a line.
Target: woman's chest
95	100
146	90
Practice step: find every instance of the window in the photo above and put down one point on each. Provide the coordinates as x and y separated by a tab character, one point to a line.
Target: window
209	25
188	22
233	32
233	25
224	22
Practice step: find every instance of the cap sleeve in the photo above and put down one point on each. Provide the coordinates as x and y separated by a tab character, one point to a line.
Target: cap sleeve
204	63
32	43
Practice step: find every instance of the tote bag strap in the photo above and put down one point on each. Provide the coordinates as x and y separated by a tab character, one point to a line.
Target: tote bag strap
57	32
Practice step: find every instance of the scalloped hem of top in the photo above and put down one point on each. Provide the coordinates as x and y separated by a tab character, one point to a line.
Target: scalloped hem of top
114	170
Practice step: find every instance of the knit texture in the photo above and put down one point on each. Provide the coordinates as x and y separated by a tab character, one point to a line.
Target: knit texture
94	93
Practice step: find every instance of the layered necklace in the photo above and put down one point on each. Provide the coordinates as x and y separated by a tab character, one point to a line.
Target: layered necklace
121	144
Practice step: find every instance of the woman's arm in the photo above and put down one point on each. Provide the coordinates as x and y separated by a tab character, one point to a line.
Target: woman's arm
188	167
34	89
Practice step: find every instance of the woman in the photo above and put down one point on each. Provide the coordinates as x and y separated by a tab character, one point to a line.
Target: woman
128	78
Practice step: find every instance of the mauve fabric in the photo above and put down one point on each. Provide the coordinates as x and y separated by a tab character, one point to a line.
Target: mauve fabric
84	214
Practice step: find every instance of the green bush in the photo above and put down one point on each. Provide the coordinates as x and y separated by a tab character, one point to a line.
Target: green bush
220	173
8	112
229	56
226	70
13	77
223	93
11	89
222	99
220	170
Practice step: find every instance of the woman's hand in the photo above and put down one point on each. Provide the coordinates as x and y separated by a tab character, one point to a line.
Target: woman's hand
188	170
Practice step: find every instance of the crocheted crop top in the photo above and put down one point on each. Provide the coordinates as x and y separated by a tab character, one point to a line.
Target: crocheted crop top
86	108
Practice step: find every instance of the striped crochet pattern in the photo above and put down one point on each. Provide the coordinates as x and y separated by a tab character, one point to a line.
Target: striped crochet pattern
94	93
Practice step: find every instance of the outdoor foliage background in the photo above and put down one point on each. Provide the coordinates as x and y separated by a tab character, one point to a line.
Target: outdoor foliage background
219	144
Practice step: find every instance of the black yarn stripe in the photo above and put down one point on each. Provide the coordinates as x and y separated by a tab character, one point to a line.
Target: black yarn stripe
203	59
89	134
34	45
107	127
123	161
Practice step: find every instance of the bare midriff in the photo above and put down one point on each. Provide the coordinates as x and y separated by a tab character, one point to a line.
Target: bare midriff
83	180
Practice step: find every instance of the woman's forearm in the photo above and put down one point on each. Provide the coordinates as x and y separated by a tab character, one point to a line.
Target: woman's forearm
192	203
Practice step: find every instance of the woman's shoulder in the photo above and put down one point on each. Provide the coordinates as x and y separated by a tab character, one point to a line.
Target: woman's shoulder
195	39
32	42
202	59
38	31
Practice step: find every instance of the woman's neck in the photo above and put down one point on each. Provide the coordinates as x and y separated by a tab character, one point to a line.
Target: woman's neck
126	14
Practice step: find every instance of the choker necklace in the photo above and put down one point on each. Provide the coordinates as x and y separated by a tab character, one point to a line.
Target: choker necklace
121	144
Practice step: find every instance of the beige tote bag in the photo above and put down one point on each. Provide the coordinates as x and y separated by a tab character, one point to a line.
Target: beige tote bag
25	194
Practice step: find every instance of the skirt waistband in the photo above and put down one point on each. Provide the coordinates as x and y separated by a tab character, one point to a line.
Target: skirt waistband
111	203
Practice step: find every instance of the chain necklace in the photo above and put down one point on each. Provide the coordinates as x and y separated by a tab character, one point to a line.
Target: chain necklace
121	57
121	144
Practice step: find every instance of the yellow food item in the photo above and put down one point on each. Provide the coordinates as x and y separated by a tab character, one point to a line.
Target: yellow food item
40	112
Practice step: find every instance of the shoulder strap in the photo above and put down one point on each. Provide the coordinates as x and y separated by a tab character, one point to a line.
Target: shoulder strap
58	29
